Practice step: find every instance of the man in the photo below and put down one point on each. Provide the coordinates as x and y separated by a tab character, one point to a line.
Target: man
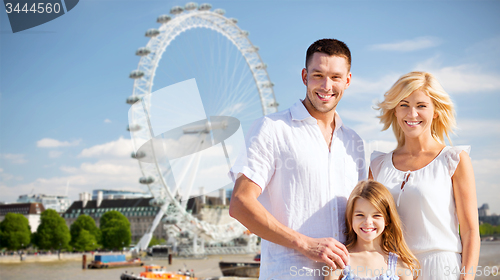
300	167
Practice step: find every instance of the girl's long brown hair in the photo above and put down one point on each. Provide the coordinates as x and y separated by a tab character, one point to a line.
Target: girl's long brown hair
392	237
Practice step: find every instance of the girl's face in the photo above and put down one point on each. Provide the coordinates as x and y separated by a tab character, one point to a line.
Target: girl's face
367	221
415	114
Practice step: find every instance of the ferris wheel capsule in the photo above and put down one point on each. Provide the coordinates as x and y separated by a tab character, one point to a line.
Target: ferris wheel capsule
132	99
191	6
244	33
266	85
142	51
233	20
220	11
261	66
169	220
163	19
204	7
273	104
176	10
146	180
152	32
133	127
251	49
138	155
136	74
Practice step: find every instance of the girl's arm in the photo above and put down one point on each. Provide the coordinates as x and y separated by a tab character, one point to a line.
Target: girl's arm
464	189
333	274
404	273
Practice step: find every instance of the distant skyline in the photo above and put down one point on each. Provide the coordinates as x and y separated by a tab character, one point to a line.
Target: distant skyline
63	84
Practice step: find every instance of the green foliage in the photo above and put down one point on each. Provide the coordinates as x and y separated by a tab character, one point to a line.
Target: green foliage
486	229
156	241
52	233
115	230
78	240
15	232
85	241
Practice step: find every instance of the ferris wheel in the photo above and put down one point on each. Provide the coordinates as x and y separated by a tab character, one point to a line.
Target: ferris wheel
194	42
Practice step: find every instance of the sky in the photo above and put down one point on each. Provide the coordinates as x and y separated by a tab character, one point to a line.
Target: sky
63	84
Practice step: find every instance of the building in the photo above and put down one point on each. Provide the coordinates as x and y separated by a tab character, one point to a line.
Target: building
31	211
59	203
138	211
117	194
486	217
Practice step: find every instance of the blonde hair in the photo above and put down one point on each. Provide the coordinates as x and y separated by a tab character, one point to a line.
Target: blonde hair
442	125
392	237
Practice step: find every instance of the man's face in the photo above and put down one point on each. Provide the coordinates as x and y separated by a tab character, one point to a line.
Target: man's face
326	79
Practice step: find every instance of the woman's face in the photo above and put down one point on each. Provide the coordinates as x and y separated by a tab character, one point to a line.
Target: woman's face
415	114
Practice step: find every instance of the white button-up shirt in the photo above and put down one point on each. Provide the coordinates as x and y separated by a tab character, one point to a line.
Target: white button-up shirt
305	185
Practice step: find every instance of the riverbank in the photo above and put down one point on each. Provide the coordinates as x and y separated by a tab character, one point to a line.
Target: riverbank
51	257
63	270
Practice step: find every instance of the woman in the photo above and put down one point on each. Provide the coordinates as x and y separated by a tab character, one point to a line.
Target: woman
432	184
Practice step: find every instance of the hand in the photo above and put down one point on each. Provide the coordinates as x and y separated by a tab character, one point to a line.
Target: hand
326	250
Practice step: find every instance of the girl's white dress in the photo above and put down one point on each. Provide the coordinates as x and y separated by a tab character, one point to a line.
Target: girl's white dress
427	209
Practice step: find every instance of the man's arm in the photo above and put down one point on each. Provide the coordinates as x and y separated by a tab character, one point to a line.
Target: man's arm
251	213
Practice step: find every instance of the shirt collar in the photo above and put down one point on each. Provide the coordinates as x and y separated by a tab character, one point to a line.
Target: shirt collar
300	113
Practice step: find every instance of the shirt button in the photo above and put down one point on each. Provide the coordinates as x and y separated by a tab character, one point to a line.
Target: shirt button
333	208
335	235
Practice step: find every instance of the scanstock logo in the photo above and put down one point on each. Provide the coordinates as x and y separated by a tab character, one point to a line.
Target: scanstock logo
25	14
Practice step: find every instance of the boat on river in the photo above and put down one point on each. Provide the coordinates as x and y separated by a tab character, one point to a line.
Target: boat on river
158	272
114	260
241	269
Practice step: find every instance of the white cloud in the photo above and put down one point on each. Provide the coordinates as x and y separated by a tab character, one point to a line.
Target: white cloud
107	121
68	169
483	128
464	78
55	154
486	166
418	43
53	143
375	86
119	148
14	158
111	168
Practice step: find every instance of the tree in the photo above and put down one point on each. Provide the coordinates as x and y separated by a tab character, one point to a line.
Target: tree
15	232
84	242
115	230
52	233
486	229
156	241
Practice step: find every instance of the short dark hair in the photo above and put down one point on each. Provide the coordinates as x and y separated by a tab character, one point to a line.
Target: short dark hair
329	47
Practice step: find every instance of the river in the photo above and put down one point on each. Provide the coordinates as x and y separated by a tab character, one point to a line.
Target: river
207	267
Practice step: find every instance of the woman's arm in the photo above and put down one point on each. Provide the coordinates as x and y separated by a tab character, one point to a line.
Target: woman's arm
464	189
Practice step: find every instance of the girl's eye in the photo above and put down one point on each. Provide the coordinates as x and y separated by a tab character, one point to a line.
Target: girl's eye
403	105
422	106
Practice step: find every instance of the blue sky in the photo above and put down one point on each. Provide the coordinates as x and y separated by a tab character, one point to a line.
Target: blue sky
63	84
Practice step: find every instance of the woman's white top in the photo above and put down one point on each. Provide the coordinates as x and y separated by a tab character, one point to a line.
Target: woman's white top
426	203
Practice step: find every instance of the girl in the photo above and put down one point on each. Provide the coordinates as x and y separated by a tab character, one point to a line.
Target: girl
375	240
432	184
